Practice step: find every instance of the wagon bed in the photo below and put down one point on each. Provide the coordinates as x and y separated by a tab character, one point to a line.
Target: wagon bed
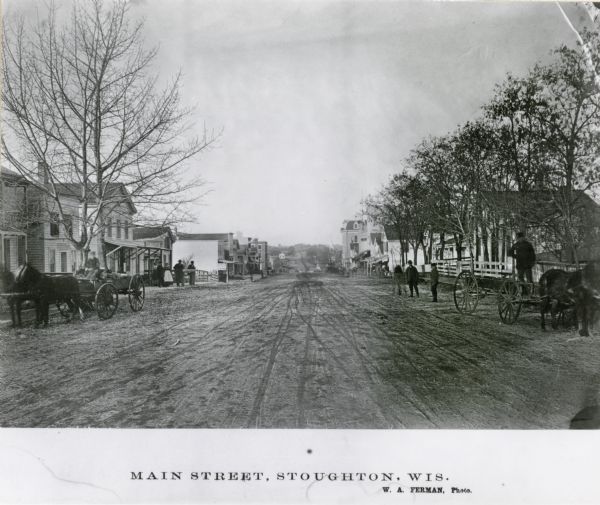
100	293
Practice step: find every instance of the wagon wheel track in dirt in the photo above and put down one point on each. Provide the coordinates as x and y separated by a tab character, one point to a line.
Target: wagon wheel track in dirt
312	332
368	363
420	319
255	413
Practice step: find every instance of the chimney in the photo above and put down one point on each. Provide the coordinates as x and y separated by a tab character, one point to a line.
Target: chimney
42	172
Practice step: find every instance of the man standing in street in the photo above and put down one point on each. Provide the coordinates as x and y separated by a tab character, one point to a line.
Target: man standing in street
434	279
412	277
179	273
192	273
524	254
160	273
398	279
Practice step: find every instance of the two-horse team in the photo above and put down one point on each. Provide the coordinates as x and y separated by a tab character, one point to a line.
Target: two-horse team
30	284
577	293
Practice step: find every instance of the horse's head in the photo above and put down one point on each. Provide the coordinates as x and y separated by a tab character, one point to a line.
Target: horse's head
26	278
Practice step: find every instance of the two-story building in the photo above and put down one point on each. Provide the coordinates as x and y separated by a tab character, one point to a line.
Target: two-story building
260	248
32	228
363	243
50	248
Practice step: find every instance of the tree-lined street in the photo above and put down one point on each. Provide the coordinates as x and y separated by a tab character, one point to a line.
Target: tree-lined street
296	351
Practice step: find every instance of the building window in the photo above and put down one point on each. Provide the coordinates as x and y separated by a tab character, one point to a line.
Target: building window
21	248
118	228
53	224
68	222
52	260
109	226
63	261
7	265
125	230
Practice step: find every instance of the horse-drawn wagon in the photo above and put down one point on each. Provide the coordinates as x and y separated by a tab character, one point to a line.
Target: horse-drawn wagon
561	289
100	292
97	291
477	280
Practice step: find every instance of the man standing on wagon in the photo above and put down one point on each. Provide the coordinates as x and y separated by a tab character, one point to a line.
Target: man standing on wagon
524	254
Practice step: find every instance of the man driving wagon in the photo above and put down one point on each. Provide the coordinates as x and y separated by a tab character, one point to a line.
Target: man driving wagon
524	254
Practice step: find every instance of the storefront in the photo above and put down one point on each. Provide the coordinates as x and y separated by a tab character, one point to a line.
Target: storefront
133	258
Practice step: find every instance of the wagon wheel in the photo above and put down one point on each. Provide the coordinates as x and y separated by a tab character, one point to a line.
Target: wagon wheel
509	301
466	293
107	301
136	293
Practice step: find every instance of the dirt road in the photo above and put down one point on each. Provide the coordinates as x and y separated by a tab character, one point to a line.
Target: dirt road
296	352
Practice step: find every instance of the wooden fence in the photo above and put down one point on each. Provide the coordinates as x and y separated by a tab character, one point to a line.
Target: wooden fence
453	267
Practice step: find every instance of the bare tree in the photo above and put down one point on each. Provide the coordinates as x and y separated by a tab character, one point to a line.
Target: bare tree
456	170
385	209
81	100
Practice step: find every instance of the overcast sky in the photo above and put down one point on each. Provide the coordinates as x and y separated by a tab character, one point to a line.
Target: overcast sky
320	102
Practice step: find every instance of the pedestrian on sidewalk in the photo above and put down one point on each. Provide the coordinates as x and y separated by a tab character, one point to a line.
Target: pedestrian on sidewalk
398	279
412	278
179	273
192	273
160	275
434	279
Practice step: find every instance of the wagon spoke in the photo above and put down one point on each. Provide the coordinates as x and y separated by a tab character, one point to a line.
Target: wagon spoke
136	293
107	301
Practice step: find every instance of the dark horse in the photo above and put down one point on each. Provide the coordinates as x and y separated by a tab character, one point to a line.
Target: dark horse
555	295
560	290
585	287
30	284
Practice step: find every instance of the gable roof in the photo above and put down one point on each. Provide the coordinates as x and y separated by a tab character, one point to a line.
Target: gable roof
11	176
148	232
349	225
115	191
377	238
203	236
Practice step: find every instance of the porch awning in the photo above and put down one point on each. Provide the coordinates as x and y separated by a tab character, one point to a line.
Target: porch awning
362	256
13	233
134	245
